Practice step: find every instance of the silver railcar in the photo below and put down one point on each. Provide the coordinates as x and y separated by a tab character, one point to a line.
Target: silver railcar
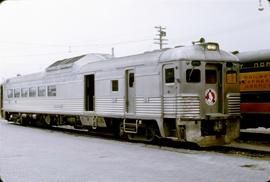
188	94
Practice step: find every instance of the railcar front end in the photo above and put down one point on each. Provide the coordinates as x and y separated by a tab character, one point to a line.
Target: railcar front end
202	105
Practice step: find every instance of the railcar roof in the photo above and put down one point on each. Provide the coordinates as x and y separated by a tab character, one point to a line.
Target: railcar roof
77	61
196	52
64	62
25	78
95	61
121	62
258	55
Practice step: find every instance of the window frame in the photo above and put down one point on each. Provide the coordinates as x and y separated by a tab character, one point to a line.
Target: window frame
114	88
171	79
131	79
207	76
51	90
235	75
30	91
17	93
193	71
24	92
43	89
10	93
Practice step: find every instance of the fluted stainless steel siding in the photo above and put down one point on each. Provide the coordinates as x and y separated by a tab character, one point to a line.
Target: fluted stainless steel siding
187	106
109	105
148	106
233	103
45	105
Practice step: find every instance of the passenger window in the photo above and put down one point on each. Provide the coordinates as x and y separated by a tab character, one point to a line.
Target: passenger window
51	90
193	75
32	92
131	79
41	91
10	93
231	76
114	85
210	76
169	75
17	92
24	92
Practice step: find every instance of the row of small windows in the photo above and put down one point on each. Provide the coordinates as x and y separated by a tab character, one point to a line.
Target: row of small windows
192	76
32	92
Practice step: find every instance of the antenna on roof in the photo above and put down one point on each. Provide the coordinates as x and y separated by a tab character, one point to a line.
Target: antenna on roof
201	41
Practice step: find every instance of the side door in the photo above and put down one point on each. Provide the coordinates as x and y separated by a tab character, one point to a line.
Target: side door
169	84
89	92
1	100
130	91
213	88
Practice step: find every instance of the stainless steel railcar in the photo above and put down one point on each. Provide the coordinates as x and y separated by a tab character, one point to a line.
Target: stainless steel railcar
188	94
255	88
1	99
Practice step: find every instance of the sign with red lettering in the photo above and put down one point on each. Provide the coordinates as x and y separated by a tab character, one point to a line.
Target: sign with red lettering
255	81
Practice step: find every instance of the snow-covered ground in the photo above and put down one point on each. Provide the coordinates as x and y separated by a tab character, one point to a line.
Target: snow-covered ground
257	130
38	155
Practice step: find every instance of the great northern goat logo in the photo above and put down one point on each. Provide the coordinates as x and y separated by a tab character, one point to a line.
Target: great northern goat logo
210	97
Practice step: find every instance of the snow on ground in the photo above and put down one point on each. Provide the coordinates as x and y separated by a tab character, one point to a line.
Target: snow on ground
257	130
33	154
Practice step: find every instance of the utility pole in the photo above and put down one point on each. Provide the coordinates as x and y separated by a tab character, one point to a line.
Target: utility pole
261	8
161	34
113	52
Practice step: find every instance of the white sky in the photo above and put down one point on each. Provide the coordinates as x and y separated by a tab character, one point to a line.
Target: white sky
36	33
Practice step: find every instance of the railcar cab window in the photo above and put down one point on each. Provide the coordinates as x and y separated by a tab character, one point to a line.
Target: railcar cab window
10	93
169	75
115	85
24	92
193	75
41	91
17	92
32	92
231	76
51	90
210	76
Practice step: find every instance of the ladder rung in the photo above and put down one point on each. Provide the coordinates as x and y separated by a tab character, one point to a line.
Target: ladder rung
131	127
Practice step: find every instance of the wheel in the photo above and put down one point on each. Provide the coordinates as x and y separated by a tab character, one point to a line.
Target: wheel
119	131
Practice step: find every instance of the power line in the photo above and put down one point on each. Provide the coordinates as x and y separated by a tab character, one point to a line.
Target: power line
16	43
69	47
32	55
110	44
261	8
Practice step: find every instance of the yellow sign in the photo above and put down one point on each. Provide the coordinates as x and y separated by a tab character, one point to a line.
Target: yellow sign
255	81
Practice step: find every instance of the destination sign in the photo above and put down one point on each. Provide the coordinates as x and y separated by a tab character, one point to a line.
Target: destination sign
255	81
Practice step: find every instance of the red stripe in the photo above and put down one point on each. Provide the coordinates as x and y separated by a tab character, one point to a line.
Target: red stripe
255	107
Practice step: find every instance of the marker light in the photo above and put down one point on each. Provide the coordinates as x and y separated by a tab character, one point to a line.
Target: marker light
212	46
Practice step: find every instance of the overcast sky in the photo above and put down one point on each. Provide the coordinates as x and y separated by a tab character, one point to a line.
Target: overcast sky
36	33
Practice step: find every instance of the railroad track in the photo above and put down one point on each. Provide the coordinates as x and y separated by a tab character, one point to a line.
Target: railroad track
259	135
247	145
